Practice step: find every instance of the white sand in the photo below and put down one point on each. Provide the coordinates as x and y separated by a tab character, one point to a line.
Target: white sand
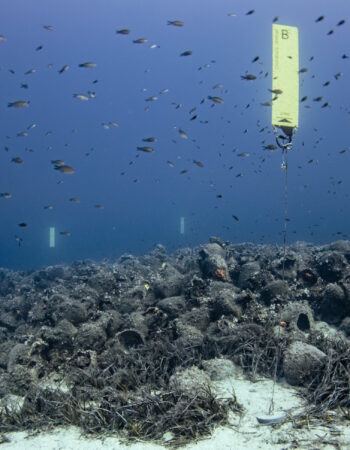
242	433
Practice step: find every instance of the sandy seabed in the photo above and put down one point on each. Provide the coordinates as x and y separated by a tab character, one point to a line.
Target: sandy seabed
243	432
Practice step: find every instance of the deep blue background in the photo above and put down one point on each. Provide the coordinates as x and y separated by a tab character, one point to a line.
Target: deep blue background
144	206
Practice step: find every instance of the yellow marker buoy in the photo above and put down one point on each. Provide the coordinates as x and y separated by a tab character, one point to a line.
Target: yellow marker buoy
285	76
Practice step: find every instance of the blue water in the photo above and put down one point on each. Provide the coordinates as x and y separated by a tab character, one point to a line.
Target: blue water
143	206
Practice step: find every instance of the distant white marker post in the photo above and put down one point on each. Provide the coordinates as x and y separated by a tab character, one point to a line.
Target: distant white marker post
52	237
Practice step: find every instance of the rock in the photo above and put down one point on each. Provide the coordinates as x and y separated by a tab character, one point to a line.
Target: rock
330	266
171	286
328	332
17	355
72	310
276	291
173	306
249	275
301	363
61	336
188	335
190	381
8	320
298	316
212	262
345	326
217	240
340	246
308	276
137	321
197	317
5	348
91	336
130	338
196	289
225	304
333	305
112	322
219	369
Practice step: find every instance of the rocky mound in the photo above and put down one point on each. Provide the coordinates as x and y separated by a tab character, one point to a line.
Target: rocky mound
117	346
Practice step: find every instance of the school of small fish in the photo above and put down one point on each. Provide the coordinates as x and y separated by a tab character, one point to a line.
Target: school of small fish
178	147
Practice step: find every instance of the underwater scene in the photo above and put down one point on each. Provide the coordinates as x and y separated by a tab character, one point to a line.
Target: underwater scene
174	233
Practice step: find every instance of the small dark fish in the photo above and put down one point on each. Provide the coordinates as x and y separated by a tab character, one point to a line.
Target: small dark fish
17	160
81	97
194	117
63	69
19	104
176	23
57	162
22	225
48	207
243	154
99	206
325	105
39	47
24	85
198	163
48	27
150	139
275	19
170	164
270	147
235	217
65	233
327	83
6	195
29	72
140	41
303	99
344	56
145	149
276	91
219	196
341	22
74	200
153	98
318	99
184	171
215	99
330	32
266	104
87	65
183	134
338	75
186	53
303	70
65	169
255	59
319	19
249	13
248	77
123	31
